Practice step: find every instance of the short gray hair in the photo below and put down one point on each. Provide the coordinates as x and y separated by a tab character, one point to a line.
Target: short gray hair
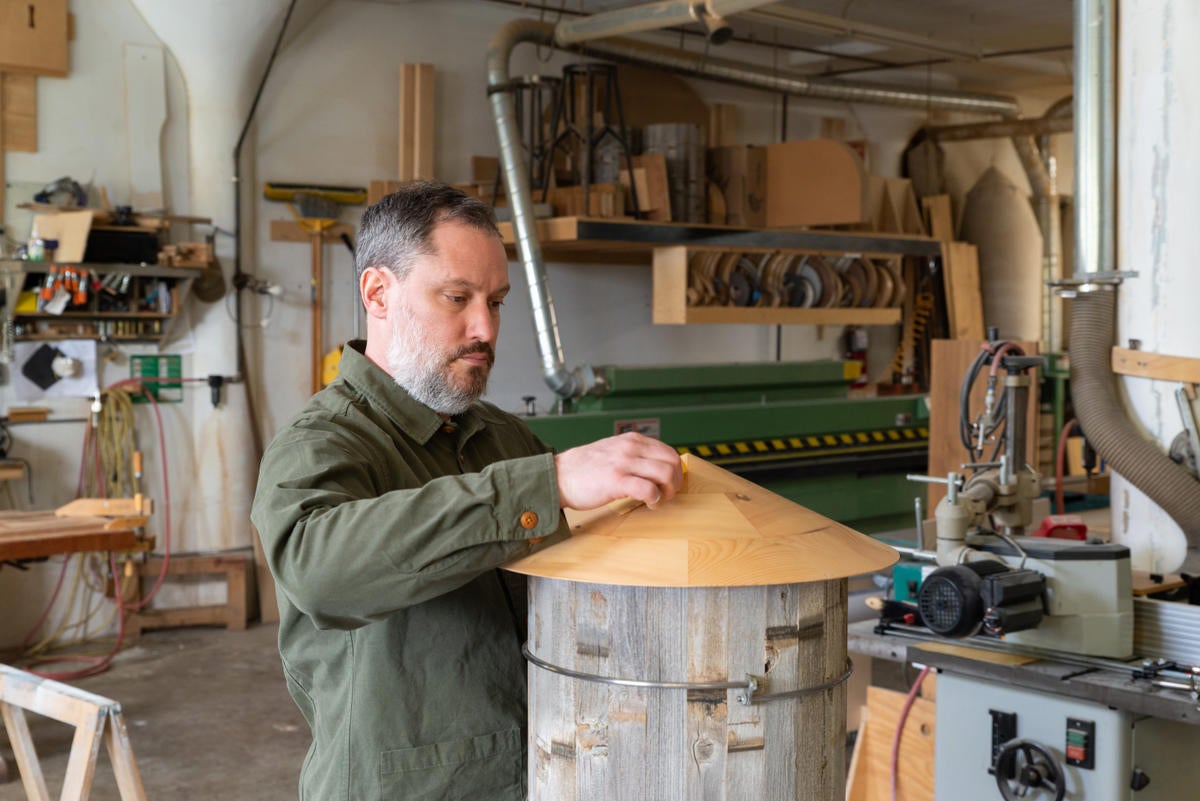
397	229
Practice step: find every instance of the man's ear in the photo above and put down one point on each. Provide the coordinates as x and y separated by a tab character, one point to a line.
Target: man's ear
373	286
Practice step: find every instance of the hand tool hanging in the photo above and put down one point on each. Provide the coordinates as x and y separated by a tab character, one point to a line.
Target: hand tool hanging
315	209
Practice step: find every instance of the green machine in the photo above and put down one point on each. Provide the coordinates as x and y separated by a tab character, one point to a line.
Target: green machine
790	427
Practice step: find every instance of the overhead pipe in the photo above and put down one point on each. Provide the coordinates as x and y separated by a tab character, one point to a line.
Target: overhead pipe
654	17
1093	385
700	65
572	384
785	16
520	202
1038	126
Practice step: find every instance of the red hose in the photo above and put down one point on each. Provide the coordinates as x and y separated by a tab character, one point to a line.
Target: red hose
97	664
908	702
100	664
1059	469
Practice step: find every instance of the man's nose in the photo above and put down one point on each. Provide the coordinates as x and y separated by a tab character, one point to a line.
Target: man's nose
483	322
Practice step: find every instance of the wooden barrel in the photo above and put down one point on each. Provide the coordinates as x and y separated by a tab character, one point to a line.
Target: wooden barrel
696	652
593	739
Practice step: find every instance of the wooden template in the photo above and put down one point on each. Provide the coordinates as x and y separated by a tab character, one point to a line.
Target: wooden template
939	218
145	117
814	182
964	301
95	719
18	108
416	124
721	531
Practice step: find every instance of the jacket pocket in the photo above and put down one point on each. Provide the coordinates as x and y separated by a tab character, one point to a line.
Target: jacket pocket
488	766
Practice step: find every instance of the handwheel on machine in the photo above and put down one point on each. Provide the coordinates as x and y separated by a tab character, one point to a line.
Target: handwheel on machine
1031	767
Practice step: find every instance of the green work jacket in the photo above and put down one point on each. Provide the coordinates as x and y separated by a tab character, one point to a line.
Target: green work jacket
382	525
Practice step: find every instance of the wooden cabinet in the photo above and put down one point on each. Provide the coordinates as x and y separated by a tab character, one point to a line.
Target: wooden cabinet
134	302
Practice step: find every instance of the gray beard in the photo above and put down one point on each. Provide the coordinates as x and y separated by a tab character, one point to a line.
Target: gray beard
417	365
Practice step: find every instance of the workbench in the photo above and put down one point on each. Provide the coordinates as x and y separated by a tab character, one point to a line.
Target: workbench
41	534
1105	687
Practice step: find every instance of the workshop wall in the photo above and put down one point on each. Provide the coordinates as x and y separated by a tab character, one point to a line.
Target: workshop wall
1158	238
329	115
82	134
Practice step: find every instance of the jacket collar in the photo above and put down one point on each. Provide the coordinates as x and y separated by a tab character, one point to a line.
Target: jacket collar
411	416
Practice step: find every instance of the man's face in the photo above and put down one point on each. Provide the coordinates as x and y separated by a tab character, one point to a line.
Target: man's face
445	318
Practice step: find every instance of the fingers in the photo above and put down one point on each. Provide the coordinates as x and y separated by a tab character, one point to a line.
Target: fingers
626	466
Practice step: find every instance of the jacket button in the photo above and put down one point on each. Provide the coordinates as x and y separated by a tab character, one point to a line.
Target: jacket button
528	520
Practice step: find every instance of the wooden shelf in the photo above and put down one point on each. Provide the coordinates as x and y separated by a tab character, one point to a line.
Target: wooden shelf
97	337
736	315
589	239
670	305
87	315
181	276
102	268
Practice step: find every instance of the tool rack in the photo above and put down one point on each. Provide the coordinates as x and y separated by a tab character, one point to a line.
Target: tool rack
92	320
667	245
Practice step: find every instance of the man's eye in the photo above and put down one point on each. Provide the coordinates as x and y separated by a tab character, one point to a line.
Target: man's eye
497	304
456	298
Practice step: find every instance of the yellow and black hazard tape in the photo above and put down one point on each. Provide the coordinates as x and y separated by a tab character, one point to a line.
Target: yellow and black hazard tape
805	446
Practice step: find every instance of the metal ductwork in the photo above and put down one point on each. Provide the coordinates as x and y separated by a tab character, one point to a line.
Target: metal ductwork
699	65
654	17
570	384
1093	323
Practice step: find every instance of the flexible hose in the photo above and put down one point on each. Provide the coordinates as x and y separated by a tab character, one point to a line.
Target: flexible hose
1094	395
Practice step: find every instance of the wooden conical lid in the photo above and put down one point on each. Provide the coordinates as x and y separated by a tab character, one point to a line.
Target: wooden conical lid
721	531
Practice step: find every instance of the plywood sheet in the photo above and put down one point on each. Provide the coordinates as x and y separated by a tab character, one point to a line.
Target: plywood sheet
814	182
872	770
18	100
951	358
416	122
964	301
938	217
33	37
656	201
70	228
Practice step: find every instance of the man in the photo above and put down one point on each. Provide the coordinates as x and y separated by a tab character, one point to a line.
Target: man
387	503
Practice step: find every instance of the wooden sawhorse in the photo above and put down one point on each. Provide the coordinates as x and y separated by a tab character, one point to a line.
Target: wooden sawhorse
94	717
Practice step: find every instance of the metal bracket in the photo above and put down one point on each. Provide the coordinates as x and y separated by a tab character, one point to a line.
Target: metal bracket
745	692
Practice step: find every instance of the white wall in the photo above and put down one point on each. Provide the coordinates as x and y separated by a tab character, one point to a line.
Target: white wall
81	133
1157	237
329	115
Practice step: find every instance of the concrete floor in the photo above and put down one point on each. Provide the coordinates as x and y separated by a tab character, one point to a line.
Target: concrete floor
208	714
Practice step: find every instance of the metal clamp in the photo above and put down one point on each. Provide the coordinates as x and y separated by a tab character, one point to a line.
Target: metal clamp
746	692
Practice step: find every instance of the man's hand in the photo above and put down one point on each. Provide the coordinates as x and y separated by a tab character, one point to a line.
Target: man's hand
626	466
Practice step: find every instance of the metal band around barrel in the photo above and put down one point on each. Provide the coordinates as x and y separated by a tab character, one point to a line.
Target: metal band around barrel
747	691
